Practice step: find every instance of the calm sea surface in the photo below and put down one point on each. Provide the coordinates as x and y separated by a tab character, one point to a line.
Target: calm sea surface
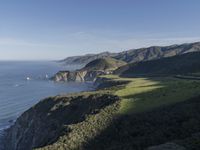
17	94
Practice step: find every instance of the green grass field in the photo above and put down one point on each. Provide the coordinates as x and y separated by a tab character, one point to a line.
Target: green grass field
144	94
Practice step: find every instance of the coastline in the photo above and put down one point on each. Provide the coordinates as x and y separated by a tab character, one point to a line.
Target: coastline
4	131
81	120
20	94
93	87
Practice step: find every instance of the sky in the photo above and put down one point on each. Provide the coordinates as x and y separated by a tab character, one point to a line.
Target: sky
55	29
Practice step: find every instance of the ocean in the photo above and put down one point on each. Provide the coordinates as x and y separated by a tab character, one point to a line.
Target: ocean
23	84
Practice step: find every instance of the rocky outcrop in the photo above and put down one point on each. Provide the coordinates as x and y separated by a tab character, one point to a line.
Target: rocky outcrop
61	116
69	76
78	76
91	71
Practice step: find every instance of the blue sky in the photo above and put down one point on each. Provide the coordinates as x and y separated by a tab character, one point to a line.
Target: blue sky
54	29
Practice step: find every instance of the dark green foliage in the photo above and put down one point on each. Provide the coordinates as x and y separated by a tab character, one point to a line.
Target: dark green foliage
139	131
182	64
137	55
156	52
54	117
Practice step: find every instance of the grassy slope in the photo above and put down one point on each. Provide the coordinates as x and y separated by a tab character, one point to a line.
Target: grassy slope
141	54
153	111
181	64
133	127
104	64
75	135
143	94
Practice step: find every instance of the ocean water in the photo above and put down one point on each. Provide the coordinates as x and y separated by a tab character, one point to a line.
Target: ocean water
17	94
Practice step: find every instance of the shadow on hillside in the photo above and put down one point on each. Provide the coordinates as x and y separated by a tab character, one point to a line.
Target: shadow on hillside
52	116
73	110
138	131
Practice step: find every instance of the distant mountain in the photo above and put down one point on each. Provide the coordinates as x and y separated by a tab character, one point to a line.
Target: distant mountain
137	55
85	59
91	71
156	52
104	64
181	64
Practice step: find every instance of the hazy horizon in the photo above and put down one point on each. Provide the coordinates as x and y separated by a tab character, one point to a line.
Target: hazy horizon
53	30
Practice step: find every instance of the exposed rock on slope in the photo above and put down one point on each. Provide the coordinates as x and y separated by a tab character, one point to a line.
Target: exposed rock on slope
69	76
61	119
141	54
91	71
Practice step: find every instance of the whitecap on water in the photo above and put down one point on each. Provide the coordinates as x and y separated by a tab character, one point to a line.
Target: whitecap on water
28	78
16	85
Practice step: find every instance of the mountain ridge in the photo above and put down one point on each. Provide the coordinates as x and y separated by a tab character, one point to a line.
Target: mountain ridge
176	65
136	55
91	71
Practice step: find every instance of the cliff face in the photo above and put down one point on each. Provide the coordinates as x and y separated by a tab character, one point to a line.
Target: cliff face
79	75
70	76
61	116
91	71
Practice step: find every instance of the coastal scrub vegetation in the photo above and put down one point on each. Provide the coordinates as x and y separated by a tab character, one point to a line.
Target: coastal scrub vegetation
143	94
153	111
150	111
127	111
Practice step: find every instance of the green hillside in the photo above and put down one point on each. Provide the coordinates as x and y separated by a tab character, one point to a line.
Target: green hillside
104	64
182	64
157	52
151	111
137	114
125	112
137	55
85	59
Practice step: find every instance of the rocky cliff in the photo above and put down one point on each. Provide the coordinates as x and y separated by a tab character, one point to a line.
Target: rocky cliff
69	120
78	76
69	76
91	71
88	121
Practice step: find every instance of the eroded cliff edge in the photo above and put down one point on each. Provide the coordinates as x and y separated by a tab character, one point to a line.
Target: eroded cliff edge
91	120
91	71
69	120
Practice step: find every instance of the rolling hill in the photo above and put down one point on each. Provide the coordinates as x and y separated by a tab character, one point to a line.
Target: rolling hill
142	113
137	55
104	64
91	71
85	59
181	64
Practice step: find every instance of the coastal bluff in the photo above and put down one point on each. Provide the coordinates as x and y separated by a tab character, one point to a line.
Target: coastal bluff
90	72
67	121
